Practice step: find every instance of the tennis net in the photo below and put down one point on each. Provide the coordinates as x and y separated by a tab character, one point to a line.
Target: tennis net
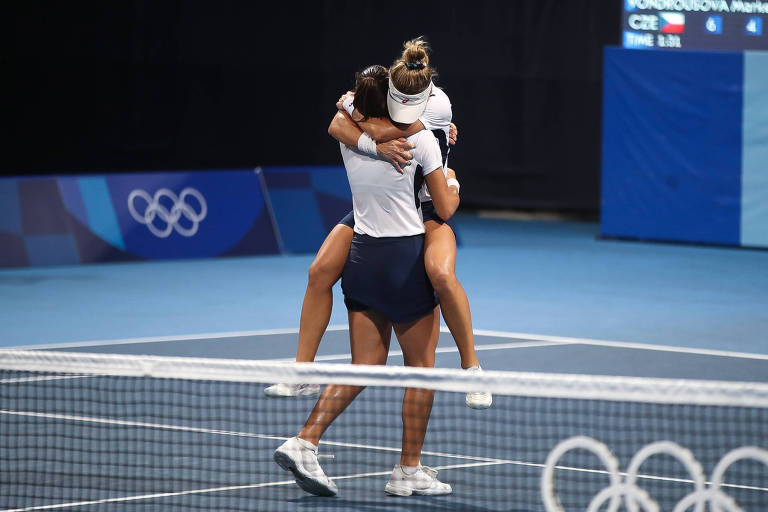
116	432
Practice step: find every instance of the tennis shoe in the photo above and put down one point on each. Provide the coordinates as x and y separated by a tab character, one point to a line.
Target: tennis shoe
300	458
421	482
292	390
478	399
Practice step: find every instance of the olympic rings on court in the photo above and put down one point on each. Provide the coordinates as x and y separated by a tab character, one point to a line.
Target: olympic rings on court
633	495
155	210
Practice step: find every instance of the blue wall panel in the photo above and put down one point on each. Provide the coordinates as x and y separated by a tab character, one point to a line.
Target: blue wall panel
672	144
185	214
51	249
127	217
307	203
99	210
10	212
754	213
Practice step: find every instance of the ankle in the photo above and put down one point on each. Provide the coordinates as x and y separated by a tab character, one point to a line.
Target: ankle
307	444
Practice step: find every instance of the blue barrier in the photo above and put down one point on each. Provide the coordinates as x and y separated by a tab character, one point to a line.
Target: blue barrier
126	217
685	146
307	203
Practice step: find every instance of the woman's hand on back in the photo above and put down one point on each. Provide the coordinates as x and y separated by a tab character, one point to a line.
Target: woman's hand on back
396	152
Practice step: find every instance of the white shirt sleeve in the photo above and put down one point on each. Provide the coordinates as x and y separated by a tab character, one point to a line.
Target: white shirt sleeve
427	152
438	114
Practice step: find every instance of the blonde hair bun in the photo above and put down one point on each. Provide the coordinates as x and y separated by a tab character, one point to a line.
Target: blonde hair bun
411	73
415	52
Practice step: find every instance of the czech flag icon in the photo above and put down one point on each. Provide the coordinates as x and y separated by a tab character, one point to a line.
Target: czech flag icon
672	22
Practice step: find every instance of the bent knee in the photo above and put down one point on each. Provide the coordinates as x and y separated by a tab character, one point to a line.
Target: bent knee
322	274
442	279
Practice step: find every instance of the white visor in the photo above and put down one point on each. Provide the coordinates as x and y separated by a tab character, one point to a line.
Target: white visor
406	108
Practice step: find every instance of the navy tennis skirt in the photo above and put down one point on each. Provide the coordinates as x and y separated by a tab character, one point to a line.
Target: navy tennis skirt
348	220
387	275
428	213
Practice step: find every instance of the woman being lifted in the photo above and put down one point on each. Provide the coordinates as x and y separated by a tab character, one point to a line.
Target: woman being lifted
410	74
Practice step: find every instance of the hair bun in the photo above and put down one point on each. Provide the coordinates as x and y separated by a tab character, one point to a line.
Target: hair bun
412	72
415	52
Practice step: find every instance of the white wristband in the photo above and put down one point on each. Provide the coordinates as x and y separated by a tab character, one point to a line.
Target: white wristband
366	144
348	104
453	182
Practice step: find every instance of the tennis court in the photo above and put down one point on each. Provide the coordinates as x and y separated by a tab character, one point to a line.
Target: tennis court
167	437
583	184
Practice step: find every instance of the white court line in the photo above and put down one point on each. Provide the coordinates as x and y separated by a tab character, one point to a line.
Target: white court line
553	340
618	344
148	496
200	430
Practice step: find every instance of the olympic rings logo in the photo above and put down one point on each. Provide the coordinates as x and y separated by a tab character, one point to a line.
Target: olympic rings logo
169	219
628	489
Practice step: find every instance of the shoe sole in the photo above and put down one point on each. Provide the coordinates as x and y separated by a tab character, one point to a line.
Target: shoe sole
307	483
272	394
402	491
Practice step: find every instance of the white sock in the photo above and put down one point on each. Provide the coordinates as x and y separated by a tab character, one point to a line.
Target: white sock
307	444
410	470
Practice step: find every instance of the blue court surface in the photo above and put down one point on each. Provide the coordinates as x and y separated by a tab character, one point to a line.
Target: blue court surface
546	297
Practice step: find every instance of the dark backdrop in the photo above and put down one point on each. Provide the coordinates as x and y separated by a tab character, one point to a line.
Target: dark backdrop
147	85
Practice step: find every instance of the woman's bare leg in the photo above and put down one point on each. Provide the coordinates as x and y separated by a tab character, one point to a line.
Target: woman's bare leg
418	340
324	271
440	262
369	335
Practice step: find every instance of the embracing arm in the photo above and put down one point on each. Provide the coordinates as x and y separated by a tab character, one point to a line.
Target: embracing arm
444	197
346	131
382	130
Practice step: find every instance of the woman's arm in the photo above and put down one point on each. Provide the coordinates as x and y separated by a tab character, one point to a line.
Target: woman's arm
444	197
346	131
382	130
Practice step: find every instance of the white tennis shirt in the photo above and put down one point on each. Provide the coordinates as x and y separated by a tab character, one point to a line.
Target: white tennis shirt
383	199
437	117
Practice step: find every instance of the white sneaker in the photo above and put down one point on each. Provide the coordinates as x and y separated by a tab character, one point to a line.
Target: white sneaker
478	399
300	458
422	482
292	390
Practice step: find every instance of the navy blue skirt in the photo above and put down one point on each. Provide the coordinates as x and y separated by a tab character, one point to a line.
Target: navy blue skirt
348	220
387	275
428	213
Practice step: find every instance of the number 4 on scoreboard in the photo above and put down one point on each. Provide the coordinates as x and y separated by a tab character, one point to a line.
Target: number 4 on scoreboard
754	26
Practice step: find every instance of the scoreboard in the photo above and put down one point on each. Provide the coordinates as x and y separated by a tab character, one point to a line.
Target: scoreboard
695	24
